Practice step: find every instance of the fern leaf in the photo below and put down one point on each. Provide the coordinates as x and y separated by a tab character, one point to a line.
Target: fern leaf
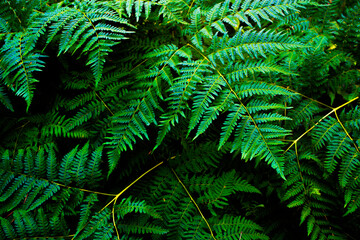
305	111
236	112
97	223
180	92
65	176
89	29
235	227
7	229
78	170
4	99
203	98
86	210
222	102
141	229
349	164
93	170
133	121
250	44
255	144
19	63
127	205
251	88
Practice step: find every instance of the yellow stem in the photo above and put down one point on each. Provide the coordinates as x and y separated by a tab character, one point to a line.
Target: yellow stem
333	110
115	199
192	199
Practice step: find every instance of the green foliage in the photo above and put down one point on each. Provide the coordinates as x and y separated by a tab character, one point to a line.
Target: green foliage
179	119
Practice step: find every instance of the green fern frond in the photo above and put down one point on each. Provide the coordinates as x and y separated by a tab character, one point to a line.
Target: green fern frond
219	189
19	64
4	99
251	88
93	27
303	112
348	166
86	210
261	142
237	227
222	102
139	7
58	126
349	25
210	88
141	229
266	10
305	188
236	113
93	110
132	122
127	205
98	224
179	93
324	131
251	44
243	70
173	11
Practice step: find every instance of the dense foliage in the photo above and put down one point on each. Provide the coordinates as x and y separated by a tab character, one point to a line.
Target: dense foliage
179	119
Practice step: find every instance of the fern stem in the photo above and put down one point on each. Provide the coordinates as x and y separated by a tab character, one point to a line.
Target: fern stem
115	199
104	104
113	218
334	110
192	199
81	189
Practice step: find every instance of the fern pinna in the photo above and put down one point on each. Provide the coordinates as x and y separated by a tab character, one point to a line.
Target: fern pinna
231	119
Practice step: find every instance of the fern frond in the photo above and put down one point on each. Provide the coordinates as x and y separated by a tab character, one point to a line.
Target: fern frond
237	227
250	88
251	44
173	11
127	205
303	112
255	145
222	102
4	99
266	10
93	27
243	70
92	110
19	63
132	122
210	88
98	224
219	189
305	188
180	92
236	112
86	210
348	166
141	228
349	25
58	126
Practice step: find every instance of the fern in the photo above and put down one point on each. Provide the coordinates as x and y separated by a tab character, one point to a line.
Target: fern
313	196
19	64
4	99
179	119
